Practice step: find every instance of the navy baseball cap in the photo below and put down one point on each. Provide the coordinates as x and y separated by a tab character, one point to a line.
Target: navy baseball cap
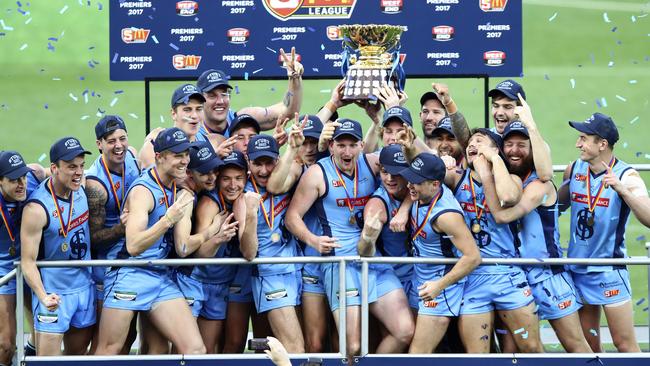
203	159
244	118
428	96
184	93
515	127
211	79
424	167
498	140
66	149
262	145
348	127
313	126
399	113
108	124
172	139
598	124
12	165
392	159
235	158
509	88
444	125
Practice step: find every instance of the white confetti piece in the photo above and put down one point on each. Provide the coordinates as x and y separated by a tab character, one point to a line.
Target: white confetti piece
56	79
5	27
632	81
621	98
98	114
113	102
28	21
256	71
86	98
85	117
133	115
606	18
633	18
162	119
625	145
520	330
23	46
326	91
647	156
610	64
552	17
603	101
583	102
42	157
634	120
573	83
73	97
271	49
63	9
155	40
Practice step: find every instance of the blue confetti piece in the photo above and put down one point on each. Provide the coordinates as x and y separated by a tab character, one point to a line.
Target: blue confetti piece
155	40
118	91
91	47
46	106
100	7
276	39
640	238
115	56
501	331
50	47
210	44
82	78
322	47
53	39
19	4
614	29
246	75
90	64
640	301
236	89
546	77
484	338
598	103
311	29
150	17
175	47
22	12
645	309
314	69
592	58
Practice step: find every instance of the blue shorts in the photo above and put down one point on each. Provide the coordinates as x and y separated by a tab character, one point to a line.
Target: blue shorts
556	297
276	291
240	287
603	288
447	303
215	302
485	292
411	291
8	288
192	291
137	289
312	279
76	309
98	274
381	280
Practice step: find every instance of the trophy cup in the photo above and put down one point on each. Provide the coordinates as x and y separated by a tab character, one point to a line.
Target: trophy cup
370	58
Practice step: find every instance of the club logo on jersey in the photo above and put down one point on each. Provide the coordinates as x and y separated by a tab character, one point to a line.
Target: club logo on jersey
612	293
186	62
238	35
583	230
125	295
333	33
275	294
580	177
564	304
78	246
47	318
281	60
187	8
135	35
391	6
493	5
311	9
494	58
430	304
442	33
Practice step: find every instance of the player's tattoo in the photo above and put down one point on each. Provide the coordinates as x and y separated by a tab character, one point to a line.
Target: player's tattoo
287	98
99	235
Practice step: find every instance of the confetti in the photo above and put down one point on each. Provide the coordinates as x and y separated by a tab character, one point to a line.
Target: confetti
113	102
42	157
546	77
640	301
610	64
322	47
85	117
73	97
625	145
552	17
632	81
210	44
23	46
501	331
606	18
115	56
271	49
593	332
155	40
276	39
237	88
573	83
633	18
621	98
63	9
520	330
162	119
634	120
133	115
246	75
314	69
100	6
524	335
614	29
46	106
256	71
645	309
5	27
325	91
118	91
175	47
311	29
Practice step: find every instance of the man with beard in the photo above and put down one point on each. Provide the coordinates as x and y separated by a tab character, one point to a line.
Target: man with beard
602	191
536	216
492	287
107	182
340	187
55	227
444	142
14	190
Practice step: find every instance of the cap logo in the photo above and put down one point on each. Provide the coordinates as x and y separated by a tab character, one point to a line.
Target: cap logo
204	154
214	76
417	164
15	160
179	136
187	89
231	157
347	126
71	144
308	125
398	158
262	144
504	85
516	126
590	119
395	111
445	123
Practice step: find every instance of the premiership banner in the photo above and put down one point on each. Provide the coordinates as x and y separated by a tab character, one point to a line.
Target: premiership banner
164	38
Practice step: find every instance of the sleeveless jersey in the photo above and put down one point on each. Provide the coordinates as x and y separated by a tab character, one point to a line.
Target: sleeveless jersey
286	246
54	246
204	130
606	237
494	240
311	221
97	173
540	238
389	243
333	210
430	243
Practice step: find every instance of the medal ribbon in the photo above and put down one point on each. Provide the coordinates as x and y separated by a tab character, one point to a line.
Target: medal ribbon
266	215
479	212
156	177
118	202
592	206
426	217
64	228
6	218
356	184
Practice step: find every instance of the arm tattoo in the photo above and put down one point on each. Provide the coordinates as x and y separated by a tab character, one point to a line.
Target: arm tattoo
99	235
287	99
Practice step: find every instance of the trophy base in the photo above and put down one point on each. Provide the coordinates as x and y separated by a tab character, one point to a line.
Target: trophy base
364	83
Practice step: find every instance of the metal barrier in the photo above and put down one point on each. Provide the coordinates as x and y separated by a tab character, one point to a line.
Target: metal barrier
342	261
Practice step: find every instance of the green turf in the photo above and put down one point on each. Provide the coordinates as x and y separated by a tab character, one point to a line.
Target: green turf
605	60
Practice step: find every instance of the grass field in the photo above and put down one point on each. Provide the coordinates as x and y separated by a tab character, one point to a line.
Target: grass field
579	57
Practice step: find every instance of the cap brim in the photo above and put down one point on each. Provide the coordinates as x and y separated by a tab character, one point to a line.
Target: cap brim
313	134
209	166
398	118
411	176
73	154
186	99
183	146
233	163
214	85
508	94
394	169
439	130
515	132
260	154
341	134
19	172
582	127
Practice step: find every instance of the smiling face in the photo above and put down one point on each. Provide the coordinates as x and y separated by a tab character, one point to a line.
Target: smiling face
261	168
217	104
394	184
308	151
503	112
346	150
390	130
204	181
14	190
173	164
244	134
423	192
518	152
231	182
114	147
475	142
590	146
431	113
188	116
446	144
69	173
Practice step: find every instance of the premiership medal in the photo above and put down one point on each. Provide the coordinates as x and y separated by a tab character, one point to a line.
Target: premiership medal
476	226
591	219
64	247
349	201
592	202
352	220
65	228
269	217
12	250
275	237
421	225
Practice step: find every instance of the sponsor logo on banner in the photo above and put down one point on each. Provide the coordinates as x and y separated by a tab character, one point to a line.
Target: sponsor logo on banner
186	62
187	8
281	60
391	6
238	35
494	58
333	33
493	5
135	35
312	9
442	33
